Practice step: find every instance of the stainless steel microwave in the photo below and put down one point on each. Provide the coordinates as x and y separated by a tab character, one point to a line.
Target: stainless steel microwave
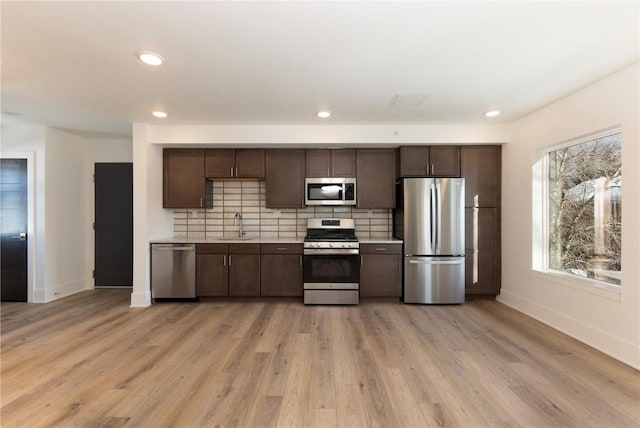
330	191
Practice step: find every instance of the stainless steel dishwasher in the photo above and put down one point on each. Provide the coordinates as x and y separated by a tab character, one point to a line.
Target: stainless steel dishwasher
173	271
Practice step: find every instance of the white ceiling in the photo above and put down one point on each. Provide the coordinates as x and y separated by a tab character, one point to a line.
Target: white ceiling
72	64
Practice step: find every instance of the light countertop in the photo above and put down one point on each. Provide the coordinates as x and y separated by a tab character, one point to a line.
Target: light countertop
250	240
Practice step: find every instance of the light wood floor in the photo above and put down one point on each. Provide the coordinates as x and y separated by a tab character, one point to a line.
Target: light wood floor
89	360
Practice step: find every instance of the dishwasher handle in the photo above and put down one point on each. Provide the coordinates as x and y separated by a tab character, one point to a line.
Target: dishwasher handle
169	248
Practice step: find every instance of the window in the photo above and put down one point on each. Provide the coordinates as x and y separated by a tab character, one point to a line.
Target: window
583	203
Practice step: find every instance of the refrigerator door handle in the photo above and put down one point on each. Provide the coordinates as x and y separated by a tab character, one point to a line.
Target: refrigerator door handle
433	217
438	215
435	262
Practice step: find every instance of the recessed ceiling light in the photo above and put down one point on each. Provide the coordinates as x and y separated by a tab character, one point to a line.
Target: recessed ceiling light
150	58
492	113
160	114
323	114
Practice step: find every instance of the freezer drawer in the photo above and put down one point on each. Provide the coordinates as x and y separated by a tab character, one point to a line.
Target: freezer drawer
173	271
434	279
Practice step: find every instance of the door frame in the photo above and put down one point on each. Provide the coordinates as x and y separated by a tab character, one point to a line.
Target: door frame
31	222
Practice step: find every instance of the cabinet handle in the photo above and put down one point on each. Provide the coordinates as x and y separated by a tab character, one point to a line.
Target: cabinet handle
360	260
224	260
282	248
229	260
200	201
236	171
300	260
231	173
433	170
328	173
427	169
381	249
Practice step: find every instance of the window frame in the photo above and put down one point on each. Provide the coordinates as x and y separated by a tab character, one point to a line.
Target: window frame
541	216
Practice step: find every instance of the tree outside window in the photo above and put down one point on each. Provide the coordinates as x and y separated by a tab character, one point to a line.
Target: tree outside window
585	209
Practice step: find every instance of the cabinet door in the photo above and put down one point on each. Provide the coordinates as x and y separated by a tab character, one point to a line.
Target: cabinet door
211	275
318	163
183	183
281	275
480	272
482	243
376	178
220	163
481	168
414	161
343	163
284	185
445	161
250	163
380	275
244	274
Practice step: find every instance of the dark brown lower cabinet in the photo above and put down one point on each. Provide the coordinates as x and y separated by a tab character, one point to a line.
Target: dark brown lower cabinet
380	270
281	275
211	270
244	269
480	272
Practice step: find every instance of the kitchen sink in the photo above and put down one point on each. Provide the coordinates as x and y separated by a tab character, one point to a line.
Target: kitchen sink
237	238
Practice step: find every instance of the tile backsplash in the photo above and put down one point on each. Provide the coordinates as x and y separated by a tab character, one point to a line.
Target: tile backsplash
248	199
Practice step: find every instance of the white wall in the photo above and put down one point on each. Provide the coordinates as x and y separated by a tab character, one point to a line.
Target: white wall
606	320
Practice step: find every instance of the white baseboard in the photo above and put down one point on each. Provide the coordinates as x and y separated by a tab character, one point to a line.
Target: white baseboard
61	290
614	346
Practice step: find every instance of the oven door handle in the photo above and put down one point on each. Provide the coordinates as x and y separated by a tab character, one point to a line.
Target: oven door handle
332	252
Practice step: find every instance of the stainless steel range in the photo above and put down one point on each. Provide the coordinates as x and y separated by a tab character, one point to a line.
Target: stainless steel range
331	262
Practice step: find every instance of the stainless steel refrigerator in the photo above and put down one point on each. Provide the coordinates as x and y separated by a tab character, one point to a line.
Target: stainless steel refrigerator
429	218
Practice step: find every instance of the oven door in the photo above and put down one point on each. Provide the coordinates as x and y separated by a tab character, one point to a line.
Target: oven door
331	271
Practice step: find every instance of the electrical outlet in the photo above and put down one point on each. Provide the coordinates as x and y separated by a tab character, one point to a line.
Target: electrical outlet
370	213
276	213
194	214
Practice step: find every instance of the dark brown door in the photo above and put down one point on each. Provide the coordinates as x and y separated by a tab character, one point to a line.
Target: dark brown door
376	179
445	161
414	161
250	163
183	178
343	163
380	275
13	230
220	163
284	185
281	275
244	274
113	226
211	275
481	242
480	166
318	163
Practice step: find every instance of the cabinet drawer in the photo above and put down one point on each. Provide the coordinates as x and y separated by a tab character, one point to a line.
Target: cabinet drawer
281	248
244	248
380	248
211	248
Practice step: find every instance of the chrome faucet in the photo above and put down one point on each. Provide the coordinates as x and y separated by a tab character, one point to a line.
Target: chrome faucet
237	220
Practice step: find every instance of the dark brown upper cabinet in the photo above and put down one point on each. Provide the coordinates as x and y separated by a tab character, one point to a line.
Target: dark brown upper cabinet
183	181
284	186
481	167
331	163
430	161
376	178
235	164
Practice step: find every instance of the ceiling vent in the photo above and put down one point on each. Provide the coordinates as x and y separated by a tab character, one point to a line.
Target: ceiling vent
407	100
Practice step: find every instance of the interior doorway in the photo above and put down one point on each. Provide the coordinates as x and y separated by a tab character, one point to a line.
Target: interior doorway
113	225
13	230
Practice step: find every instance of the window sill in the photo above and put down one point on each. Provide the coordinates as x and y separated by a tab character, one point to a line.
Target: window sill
609	291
